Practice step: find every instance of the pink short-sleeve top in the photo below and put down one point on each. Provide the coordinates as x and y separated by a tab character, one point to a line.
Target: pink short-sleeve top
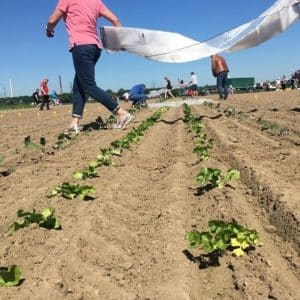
80	18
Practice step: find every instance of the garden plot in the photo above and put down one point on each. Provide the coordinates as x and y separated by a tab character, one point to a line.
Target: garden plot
130	241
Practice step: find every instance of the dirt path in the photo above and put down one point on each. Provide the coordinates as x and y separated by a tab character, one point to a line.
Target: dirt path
129	243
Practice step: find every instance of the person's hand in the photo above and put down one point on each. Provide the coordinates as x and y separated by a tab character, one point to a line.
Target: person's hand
117	23
49	33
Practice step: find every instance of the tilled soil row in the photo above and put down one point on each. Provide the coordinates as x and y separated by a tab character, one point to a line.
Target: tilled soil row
36	173
129	242
48	124
273	181
274	128
81	259
274	114
263	273
151	189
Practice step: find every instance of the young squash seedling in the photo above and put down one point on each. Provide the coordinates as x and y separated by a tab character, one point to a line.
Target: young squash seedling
203	150
10	276
105	158
213	177
71	191
45	219
224	236
62	139
89	172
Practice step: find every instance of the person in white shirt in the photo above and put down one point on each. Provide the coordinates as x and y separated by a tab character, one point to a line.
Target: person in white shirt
194	84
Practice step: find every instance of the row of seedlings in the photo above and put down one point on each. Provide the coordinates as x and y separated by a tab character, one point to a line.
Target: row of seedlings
12	276
85	192
221	236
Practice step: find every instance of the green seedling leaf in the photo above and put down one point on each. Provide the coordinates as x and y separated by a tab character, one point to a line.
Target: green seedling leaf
215	178
78	175
117	152
116	144
47	212
203	150
62	139
194	237
239	243
208	176
2	158
89	172
10	277
219	245
86	192
94	164
48	220
231	174
104	159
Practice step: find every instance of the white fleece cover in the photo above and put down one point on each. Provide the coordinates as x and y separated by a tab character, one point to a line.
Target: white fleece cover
175	48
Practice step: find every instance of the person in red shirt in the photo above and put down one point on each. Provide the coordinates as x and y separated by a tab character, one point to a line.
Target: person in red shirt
44	93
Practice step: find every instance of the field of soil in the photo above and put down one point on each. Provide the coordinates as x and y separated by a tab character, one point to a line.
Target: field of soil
129	242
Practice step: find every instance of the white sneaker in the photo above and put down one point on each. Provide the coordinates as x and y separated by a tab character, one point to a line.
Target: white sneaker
74	129
123	121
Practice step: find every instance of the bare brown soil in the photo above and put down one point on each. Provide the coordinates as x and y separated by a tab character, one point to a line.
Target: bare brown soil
129	242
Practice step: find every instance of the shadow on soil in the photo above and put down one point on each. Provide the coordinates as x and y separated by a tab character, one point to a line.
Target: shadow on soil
203	189
200	191
204	261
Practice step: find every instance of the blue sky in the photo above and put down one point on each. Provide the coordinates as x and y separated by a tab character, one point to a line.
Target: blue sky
27	55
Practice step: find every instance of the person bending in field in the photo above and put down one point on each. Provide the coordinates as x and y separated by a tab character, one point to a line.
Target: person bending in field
80	17
137	95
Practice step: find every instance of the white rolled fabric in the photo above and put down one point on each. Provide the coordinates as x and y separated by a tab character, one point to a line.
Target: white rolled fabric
176	48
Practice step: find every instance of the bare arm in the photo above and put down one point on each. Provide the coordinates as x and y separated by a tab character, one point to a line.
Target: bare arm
52	22
213	67
111	17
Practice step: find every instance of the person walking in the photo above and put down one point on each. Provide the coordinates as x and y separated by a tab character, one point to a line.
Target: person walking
220	70
44	94
168	90
80	17
36	98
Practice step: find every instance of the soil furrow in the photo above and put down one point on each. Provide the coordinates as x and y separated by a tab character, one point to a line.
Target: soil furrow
129	242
